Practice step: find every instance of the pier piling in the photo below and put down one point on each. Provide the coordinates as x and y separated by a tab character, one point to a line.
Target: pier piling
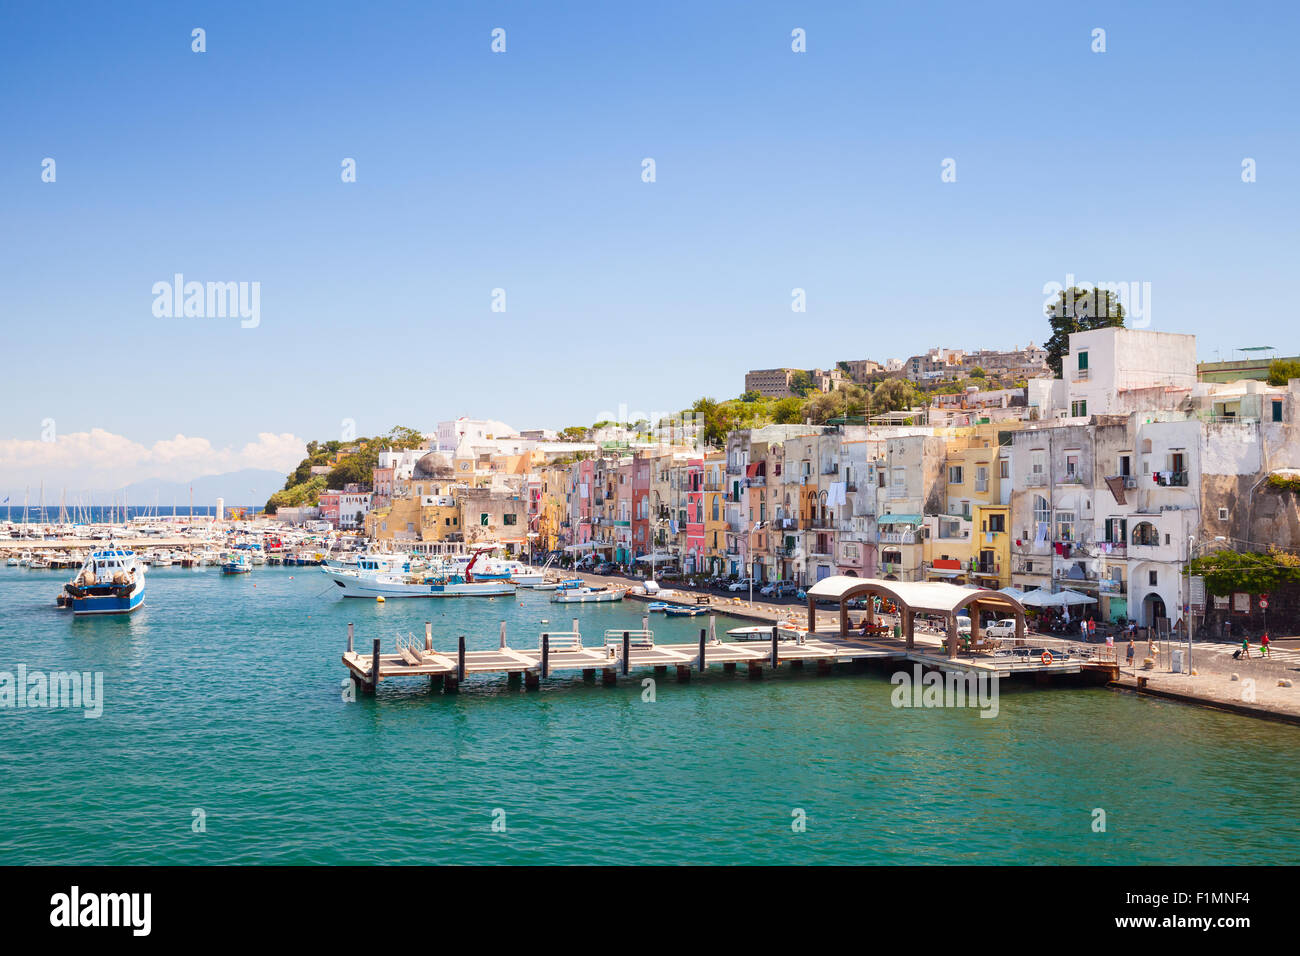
627	651
683	673
374	668
546	655
349	637
775	638
703	632
503	635
460	660
428	636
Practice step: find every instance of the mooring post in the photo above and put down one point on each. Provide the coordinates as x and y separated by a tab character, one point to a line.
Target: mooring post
703	635
645	622
503	635
428	635
713	628
349	637
774	640
627	649
460	660
374	667
546	655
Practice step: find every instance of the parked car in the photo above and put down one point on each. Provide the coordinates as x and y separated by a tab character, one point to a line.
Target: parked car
1004	628
668	574
740	585
606	567
780	589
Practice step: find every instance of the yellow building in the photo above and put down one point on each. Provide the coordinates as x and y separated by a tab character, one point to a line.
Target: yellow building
416	518
715	513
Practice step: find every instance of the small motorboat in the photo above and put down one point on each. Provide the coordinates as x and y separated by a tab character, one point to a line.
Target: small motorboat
682	610
656	606
585	596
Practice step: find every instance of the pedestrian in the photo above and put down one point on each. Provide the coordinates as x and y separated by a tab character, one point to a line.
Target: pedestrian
1131	650
1083	629
1264	645
1245	647
1092	628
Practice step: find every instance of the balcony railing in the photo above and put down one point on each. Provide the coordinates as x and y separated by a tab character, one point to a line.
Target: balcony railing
831	470
1036	479
896	491
898	537
981	484
1170	479
757	481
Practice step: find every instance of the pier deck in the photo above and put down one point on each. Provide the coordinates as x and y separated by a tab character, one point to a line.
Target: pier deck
625	651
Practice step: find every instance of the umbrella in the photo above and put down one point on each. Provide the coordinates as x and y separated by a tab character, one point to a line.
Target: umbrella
1037	598
1069	598
1014	593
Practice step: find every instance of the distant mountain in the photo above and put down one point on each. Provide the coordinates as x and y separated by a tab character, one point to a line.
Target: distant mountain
251	486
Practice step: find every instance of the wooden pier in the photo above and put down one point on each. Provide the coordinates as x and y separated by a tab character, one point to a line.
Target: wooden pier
619	652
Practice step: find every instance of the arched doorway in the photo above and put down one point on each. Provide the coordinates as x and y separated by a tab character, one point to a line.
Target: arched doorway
1153	609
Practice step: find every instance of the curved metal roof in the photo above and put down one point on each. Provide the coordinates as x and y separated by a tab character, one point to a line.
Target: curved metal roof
933	596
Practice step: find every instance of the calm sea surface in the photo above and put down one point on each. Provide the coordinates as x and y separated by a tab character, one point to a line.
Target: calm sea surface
224	694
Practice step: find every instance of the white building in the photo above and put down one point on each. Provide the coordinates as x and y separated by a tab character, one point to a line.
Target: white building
352	505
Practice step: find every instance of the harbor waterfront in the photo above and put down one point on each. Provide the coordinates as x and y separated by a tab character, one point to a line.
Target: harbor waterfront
227	736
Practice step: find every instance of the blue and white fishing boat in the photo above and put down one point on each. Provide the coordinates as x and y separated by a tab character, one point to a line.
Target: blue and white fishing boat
110	582
237	562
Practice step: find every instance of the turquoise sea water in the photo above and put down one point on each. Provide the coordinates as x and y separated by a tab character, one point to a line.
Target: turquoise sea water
224	694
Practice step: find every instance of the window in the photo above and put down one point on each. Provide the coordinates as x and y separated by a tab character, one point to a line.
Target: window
1277	410
1065	525
1126	465
997	523
1083	361
1079	409
1038	462
1004	467
483	518
1042	514
1223	514
954	475
509	518
1151	578
1072	465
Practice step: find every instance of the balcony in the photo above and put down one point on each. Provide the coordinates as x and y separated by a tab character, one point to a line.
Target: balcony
1170	479
898	537
757	481
895	492
831	469
733	469
1036	479
981	485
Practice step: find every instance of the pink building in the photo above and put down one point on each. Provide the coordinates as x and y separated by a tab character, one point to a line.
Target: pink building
693	560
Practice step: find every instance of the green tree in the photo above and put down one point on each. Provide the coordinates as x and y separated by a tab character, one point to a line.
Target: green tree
1280	371
893	395
750	396
978	372
787	411
801	383
575	433
1079	310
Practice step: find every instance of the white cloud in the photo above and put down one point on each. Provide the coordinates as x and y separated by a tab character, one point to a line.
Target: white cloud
102	459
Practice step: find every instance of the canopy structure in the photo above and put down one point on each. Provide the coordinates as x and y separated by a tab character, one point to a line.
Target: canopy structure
898	519
916	597
659	557
1041	598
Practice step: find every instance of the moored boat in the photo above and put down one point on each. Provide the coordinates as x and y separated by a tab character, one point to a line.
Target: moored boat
585	596
111	581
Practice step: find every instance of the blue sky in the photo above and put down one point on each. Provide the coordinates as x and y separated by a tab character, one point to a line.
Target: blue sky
522	171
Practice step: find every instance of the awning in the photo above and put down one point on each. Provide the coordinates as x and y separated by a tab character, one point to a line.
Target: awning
658	557
898	519
756	469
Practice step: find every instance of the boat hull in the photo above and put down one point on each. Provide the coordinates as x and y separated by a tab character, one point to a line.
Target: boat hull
108	604
595	597
357	586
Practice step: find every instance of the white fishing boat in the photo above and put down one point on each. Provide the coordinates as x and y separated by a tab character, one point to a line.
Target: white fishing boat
111	581
585	596
396	576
